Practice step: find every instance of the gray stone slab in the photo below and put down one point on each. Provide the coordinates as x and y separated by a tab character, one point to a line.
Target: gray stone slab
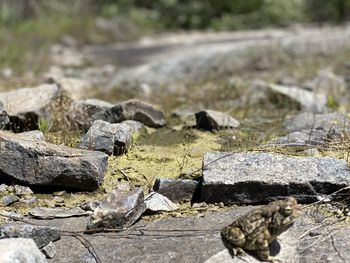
261	177
177	190
38	163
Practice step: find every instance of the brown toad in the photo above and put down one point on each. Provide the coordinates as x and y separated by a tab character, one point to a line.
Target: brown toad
257	229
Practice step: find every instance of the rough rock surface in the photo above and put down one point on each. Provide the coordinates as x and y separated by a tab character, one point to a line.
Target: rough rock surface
156	202
214	120
308	99
119	211
133	110
106	137
176	190
4	119
49	250
20	250
41	235
49	213
337	121
38	163
35	135
25	106
262	177
197	239
81	112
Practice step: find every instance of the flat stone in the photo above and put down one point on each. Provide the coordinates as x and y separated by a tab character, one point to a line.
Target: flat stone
306	137
26	106
119	211
156	203
38	163
214	120
82	112
262	177
35	135
9	199
20	250
329	121
106	137
4	119
133	110
42	235
308	99
49	213
176	190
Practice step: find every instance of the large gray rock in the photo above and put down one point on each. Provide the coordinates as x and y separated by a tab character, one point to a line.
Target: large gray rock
4	119
262	177
81	112
119	211
336	121
21	250
106	137
25	106
156	203
214	120
133	110
35	135
176	190
42	235
309	100
37	163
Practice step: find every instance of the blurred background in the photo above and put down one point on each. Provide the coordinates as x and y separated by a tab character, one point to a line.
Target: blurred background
29	27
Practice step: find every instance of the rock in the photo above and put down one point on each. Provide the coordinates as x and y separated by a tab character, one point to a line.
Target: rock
9	199
29	200
49	250
3	188
133	110
25	106
49	213
34	135
90	206
262	177
309	100
156	202
10	215
306	137
176	190
106	137
135	126
38	163
75	89
4	119
21	190
214	120
82	112
42	235
329	121
21	250
119	211
327	83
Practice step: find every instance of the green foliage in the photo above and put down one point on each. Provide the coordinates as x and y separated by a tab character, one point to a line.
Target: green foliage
44	125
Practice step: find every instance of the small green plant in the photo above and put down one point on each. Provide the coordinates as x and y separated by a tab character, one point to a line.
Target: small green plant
44	125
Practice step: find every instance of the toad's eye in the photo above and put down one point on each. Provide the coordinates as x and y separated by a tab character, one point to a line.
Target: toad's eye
287	211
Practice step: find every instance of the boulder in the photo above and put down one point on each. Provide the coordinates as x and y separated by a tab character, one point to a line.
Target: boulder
336	121
133	110
119	211
41	235
106	137
261	177
177	190
4	119
21	250
81	112
214	120
156	203
309	100
42	164
26	106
